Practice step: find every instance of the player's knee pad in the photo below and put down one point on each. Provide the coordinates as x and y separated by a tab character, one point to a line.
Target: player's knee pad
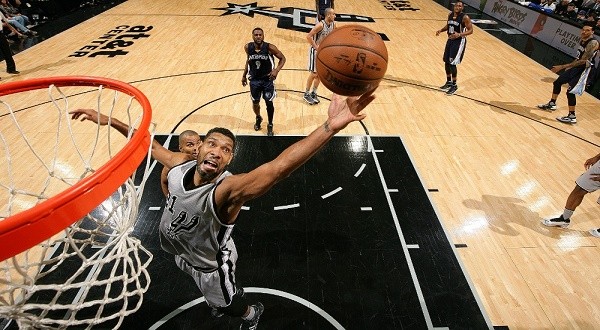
238	306
571	100
556	87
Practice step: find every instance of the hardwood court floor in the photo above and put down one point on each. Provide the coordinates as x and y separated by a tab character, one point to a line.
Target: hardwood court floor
494	164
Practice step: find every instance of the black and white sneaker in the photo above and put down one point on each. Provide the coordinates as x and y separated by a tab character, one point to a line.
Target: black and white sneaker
315	98
257	124
453	88
270	130
569	119
557	222
595	232
253	323
547	106
446	86
308	99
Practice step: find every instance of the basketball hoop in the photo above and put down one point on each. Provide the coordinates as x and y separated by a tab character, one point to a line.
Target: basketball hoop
77	219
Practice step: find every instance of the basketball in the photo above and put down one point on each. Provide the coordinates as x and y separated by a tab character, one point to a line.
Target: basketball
351	60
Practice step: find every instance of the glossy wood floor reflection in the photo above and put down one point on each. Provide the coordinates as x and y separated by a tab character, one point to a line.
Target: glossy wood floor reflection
492	163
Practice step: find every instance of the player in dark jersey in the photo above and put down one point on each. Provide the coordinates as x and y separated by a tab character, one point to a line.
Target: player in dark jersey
458	26
321	6
205	200
575	74
261	71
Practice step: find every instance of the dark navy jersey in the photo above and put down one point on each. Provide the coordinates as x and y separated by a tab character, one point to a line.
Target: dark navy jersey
260	63
455	25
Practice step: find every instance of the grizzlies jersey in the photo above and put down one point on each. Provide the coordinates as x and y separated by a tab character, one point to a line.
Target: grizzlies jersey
260	63
581	50
324	31
455	25
189	226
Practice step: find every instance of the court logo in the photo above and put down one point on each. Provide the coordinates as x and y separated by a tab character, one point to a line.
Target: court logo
397	5
289	18
114	42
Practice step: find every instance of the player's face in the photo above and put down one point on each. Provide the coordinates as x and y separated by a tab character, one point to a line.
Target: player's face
189	144
586	32
258	36
215	153
330	17
458	7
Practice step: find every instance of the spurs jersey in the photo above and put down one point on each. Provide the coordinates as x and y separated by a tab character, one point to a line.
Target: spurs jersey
581	50
260	63
455	25
189	226
324	31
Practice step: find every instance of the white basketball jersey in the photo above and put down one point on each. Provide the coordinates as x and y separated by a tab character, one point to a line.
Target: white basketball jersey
189	226
324	31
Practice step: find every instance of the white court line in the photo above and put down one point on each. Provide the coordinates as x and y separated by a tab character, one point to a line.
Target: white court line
333	192
362	167
411	267
392	190
412	246
154	208
273	292
245	208
366	208
285	207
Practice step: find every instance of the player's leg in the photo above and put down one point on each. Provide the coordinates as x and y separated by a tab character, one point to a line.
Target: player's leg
456	53
562	79
312	70
585	184
255	93
576	85
269	95
316	83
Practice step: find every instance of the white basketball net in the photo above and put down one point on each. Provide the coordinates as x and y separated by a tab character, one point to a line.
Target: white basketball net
94	271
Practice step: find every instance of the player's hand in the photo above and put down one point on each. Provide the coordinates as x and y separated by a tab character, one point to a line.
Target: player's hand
244	81
342	111
556	68
591	161
89	114
273	74
595	177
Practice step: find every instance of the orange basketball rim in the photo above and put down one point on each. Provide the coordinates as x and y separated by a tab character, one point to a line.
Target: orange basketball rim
24	230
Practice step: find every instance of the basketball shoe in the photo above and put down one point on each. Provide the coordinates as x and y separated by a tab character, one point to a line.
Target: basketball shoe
453	88
595	232
315	97
308	99
557	222
446	86
270	130
253	323
568	119
257	124
547	106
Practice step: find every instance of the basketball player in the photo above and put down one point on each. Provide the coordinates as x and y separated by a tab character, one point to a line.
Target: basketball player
575	74
314	37
261	71
457	27
588	182
205	199
5	47
188	144
321	6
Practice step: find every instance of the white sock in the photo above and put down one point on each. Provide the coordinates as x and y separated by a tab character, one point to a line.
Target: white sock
567	214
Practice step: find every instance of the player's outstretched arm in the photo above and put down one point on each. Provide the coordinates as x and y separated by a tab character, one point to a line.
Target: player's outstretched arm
160	153
235	190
